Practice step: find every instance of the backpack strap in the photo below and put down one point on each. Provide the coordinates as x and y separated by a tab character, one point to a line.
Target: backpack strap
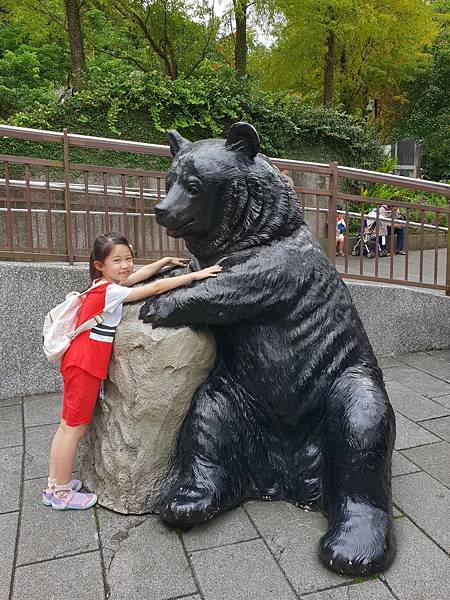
88	325
93	321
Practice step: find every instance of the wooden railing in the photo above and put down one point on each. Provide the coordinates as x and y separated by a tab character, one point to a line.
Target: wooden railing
54	209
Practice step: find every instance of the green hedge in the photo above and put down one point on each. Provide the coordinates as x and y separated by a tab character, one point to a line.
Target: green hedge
142	107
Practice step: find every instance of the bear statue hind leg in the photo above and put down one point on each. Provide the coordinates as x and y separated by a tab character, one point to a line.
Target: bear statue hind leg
208	471
358	439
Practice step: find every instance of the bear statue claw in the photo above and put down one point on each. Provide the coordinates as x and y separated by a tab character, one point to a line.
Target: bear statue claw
359	542
189	506
147	311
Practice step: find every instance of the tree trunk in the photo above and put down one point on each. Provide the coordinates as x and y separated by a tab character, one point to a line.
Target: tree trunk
328	75
170	62
76	43
240	50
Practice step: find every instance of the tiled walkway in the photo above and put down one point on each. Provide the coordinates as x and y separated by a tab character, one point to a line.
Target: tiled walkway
260	551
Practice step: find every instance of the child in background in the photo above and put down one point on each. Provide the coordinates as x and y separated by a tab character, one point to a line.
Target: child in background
85	364
341	228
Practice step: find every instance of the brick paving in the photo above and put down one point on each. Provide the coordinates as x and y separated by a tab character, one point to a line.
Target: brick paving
259	551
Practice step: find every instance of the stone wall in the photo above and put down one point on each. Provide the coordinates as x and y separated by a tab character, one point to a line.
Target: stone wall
397	319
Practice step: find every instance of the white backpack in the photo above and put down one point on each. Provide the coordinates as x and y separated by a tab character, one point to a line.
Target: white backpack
60	325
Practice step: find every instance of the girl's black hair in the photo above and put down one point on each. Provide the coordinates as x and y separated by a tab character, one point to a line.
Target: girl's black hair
102	248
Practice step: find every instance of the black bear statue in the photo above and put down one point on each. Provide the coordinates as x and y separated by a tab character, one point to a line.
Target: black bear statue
295	408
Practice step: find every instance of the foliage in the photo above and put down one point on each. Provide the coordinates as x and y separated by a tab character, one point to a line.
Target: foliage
427	115
376	46
132	46
143	106
390	192
30	68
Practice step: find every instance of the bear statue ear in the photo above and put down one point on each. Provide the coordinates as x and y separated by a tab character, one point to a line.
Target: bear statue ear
243	136
176	141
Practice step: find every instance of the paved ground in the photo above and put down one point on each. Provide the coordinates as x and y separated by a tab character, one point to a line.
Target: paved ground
432	265
260	551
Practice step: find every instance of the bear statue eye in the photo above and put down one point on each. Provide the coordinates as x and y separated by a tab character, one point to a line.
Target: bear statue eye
193	190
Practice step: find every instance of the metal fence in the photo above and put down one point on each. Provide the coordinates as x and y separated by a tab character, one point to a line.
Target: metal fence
54	209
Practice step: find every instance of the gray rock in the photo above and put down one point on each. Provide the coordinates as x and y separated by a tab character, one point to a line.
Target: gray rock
152	378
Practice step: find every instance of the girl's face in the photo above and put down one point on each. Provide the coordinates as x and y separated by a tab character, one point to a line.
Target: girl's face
118	265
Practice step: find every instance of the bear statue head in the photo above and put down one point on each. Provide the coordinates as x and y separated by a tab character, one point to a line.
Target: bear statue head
223	196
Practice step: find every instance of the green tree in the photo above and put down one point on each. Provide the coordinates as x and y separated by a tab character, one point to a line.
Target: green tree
345	51
179	33
427	114
34	60
243	13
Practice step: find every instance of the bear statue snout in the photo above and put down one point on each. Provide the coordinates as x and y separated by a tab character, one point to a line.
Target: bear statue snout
161	214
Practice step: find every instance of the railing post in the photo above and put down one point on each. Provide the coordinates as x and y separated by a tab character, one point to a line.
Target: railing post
68	217
332	203
447	276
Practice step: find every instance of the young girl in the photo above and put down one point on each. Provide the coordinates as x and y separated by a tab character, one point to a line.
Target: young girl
85	363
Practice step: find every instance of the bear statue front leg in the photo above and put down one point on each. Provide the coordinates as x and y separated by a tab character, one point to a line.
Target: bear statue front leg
357	443
208	473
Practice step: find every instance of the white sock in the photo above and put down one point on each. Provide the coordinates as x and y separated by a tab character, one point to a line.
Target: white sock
62	490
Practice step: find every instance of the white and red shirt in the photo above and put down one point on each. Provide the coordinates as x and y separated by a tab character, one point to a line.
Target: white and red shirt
91	350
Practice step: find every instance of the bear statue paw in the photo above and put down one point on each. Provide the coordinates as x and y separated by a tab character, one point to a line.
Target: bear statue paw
359	541
147	311
188	505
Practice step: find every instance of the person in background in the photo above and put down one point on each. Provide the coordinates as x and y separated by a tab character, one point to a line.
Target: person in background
285	174
386	212
341	228
398	229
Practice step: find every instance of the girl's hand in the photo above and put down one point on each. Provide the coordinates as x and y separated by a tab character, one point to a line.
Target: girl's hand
174	261
205	273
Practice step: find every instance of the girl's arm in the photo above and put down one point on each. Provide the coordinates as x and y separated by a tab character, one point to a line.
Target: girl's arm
164	285
147	271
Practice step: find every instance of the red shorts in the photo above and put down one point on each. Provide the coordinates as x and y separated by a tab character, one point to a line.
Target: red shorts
80	395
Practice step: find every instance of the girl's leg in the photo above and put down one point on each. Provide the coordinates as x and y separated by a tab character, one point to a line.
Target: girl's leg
53	451
75	484
63	451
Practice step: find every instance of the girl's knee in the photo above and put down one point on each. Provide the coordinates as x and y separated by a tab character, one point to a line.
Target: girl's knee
77	431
